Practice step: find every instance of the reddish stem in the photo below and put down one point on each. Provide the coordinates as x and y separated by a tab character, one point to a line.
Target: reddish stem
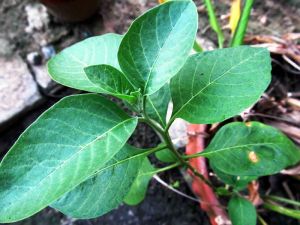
210	203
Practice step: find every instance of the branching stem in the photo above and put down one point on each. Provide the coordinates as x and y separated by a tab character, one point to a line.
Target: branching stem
164	135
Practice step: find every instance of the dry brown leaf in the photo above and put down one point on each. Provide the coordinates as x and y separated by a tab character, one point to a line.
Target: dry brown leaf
235	14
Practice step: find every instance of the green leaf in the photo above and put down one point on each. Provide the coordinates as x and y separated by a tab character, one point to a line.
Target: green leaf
67	67
106	190
112	81
157	44
251	149
65	146
166	156
241	211
216	85
138	190
238	182
157	105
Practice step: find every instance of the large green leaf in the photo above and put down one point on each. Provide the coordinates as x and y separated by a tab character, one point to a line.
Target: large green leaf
158	43
157	104
106	190
138	189
216	85
64	147
112	81
241	211
67	67
251	149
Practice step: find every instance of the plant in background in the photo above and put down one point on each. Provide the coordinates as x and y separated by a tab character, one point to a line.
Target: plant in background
75	157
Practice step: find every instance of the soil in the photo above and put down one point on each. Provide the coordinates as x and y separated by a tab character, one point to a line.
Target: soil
161	206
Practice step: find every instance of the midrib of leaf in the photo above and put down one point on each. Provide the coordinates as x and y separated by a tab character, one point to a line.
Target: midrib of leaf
77	60
156	112
233	147
165	41
241	209
212	82
145	153
66	161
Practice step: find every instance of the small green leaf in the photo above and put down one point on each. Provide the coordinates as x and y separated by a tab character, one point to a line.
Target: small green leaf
251	149
112	81
106	190
65	146
216	85
166	156
157	105
157	44
138	190
241	211
67	67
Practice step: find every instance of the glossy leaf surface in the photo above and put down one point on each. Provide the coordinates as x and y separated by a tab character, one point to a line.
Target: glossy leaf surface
65	146
251	149
67	67
157	44
157	105
106	190
216	85
238	182
138	190
241	211
111	80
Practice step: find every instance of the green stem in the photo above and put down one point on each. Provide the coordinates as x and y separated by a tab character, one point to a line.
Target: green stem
282	210
164	134
156	149
199	154
280	199
172	166
238	37
169	124
214	22
261	220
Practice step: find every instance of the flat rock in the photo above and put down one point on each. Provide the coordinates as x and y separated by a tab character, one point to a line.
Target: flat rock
42	77
18	91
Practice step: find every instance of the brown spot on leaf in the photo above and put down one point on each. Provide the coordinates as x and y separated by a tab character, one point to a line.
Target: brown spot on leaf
253	157
248	124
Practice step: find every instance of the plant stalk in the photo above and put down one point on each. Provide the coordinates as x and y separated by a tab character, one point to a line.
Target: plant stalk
164	134
214	22
172	166
239	34
280	199
282	210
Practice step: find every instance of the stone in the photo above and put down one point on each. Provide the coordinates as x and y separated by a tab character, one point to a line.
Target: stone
6	49
178	129
42	77
34	58
37	17
48	51
18	91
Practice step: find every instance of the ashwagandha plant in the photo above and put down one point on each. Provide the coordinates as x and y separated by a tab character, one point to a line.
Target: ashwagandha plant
74	157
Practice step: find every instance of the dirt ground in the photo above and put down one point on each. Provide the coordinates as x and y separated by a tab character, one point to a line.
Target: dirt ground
161	206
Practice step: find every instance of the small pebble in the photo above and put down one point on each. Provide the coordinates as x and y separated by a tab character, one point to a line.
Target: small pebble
34	58
48	51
